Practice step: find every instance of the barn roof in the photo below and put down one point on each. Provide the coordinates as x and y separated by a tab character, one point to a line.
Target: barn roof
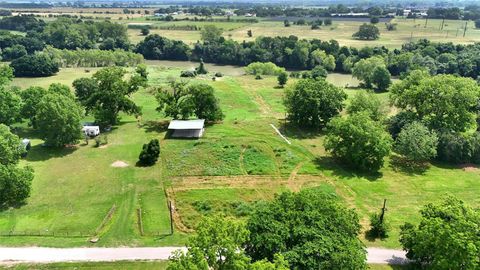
186	124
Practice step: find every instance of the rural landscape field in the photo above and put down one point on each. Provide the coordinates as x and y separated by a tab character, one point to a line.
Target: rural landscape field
259	145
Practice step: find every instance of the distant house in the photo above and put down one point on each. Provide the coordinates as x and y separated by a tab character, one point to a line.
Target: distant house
186	128
91	131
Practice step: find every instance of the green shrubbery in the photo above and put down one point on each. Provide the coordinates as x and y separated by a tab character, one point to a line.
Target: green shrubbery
268	68
150	153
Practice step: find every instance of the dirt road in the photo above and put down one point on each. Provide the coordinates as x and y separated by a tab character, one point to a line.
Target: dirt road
48	255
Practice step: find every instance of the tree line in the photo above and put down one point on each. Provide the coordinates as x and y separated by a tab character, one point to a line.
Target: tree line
438	119
295	53
315	230
93	57
68	33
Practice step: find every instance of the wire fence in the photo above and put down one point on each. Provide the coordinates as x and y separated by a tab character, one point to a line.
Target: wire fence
60	234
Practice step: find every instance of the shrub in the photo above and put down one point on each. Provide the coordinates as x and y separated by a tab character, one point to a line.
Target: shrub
269	68
201	68
218	74
282	79
258	77
150	153
319	72
145	31
374	20
101	140
477	23
188	74
391	26
378	226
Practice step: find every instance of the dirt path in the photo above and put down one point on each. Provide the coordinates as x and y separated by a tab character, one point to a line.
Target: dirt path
240	160
50	255
293	174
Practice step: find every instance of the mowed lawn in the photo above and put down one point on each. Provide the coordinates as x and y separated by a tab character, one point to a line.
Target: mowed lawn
238	161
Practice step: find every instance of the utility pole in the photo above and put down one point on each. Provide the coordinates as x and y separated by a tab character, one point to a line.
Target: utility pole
443	22
465	30
426	22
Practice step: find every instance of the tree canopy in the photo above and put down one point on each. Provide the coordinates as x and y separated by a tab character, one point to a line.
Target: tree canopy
180	101
358	141
446	236
36	65
311	229
442	102
10	102
107	94
416	142
367	32
312	103
372	71
217	245
15	181
368	102
211	33
10	146
58	119
155	47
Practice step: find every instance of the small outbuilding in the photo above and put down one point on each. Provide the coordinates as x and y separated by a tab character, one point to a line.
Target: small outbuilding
186	128
25	147
91	131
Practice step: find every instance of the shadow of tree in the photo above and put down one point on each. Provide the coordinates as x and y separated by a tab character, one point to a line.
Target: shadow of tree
371	237
293	131
41	153
400	164
342	171
155	126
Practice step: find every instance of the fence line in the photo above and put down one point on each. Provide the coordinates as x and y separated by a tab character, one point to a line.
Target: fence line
140	222
62	234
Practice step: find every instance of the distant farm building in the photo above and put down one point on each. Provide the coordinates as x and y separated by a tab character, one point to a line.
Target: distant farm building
186	128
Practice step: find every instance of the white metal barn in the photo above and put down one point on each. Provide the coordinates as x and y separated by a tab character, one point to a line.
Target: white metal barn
187	128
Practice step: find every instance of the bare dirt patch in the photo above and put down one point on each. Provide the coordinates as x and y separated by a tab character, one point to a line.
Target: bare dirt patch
470	168
119	164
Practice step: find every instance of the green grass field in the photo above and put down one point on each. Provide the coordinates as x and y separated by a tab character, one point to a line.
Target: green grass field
341	30
238	161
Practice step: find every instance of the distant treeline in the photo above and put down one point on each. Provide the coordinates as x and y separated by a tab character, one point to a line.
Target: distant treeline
93	58
292	52
275	10
196	19
68	33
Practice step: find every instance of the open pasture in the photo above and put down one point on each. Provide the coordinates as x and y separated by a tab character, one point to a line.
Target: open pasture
238	161
341	30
